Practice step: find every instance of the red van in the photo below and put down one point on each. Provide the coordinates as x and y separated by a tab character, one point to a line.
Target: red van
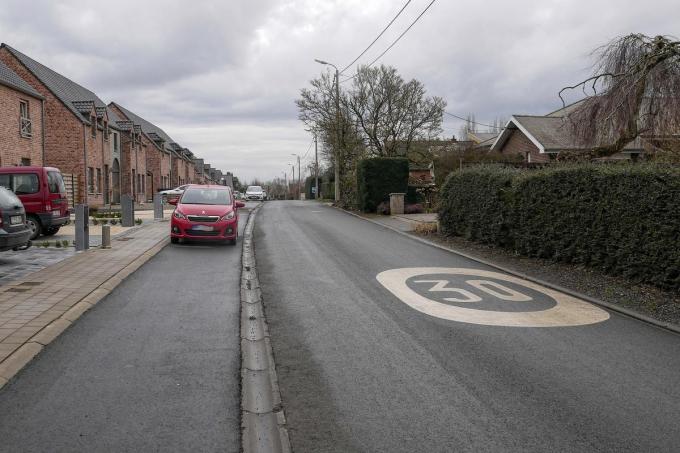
43	194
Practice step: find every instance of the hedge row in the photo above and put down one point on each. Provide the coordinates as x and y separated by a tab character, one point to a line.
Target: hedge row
623	219
377	178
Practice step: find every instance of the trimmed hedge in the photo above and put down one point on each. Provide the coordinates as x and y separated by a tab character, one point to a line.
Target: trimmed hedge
623	219
377	178
474	204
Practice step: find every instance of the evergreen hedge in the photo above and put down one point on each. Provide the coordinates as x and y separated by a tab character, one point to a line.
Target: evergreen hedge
377	178
623	219
474	204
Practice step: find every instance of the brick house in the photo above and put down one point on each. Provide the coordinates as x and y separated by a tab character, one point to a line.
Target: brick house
76	127
21	121
540	139
167	162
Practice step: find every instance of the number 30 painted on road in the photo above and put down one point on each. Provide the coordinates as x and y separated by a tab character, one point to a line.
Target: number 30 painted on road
567	311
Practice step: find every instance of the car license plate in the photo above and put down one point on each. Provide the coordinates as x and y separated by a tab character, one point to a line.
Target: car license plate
202	228
56	213
16	220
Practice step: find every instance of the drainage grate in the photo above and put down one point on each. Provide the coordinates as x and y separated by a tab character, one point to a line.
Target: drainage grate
124	239
30	283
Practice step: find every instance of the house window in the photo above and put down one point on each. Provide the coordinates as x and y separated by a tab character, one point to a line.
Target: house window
25	162
25	126
93	120
116	144
99	180
106	130
90	180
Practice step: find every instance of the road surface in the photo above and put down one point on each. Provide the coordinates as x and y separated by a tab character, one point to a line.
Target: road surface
384	344
152	367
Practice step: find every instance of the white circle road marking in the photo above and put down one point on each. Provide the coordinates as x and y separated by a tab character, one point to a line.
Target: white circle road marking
568	310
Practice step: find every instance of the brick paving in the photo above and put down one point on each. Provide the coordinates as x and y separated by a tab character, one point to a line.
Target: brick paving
30	303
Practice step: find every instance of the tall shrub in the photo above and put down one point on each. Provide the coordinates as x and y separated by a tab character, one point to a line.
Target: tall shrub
623	219
377	178
474	204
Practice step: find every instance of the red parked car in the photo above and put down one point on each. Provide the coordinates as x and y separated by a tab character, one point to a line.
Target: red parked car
43	194
205	213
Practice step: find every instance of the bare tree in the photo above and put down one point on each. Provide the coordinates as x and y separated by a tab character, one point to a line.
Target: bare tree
391	113
634	91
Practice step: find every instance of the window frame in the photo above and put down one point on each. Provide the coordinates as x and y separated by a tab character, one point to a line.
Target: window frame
25	123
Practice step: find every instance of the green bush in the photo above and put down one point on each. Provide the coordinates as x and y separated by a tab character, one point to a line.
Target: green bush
622	219
413	196
377	178
310	184
474	204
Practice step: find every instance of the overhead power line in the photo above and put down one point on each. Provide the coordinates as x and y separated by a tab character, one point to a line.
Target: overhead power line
395	41
377	37
468	119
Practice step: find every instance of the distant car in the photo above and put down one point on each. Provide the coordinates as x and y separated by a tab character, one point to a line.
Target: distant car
255	193
205	213
15	234
42	193
174	193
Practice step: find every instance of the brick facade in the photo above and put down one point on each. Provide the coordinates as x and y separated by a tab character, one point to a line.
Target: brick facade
69	145
15	149
518	143
133	171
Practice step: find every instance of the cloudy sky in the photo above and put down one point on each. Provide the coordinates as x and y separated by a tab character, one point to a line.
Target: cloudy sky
221	77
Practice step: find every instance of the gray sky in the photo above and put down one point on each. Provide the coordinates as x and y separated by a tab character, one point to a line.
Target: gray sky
221	77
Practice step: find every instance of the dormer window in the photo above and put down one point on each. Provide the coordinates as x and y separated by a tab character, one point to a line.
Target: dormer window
106	130
93	121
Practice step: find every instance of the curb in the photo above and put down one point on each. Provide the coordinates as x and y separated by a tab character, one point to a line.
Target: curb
16	361
613	307
263	423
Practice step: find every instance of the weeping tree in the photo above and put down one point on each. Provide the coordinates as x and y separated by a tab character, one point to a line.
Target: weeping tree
634	91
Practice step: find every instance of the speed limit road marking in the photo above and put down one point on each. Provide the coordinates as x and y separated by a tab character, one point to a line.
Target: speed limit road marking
566	311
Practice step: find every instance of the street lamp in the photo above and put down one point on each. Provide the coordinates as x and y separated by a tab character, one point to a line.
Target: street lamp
337	126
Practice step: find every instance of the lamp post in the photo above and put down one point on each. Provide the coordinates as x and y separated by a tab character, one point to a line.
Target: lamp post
285	179
337	126
299	174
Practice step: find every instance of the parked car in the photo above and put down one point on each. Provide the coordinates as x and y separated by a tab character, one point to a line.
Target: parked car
174	193
14	232
255	193
43	194
205	213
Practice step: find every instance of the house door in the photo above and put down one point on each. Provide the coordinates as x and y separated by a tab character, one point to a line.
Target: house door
107	180
115	179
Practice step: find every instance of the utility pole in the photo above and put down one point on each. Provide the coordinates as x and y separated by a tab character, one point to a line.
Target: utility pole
293	178
337	126
299	178
285	179
316	168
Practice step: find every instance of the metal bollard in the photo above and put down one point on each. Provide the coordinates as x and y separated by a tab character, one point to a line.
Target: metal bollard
157	206
127	206
106	236
82	227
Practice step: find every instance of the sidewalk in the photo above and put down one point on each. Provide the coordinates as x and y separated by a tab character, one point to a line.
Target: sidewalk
402	222
36	308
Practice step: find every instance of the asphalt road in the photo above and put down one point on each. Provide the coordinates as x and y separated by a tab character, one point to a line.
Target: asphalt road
439	361
153	367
